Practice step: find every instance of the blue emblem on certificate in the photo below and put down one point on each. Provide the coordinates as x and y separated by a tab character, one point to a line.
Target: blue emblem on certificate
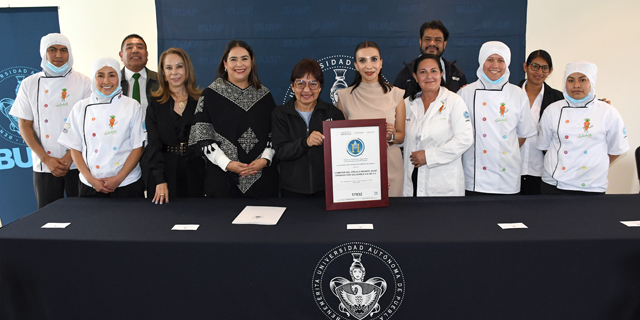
355	147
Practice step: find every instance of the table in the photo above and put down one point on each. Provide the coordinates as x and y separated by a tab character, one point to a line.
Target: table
119	259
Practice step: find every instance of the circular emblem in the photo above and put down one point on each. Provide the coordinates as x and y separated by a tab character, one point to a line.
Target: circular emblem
335	70
357	280
355	147
338	72
10	80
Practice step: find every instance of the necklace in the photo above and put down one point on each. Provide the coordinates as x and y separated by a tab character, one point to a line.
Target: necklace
181	103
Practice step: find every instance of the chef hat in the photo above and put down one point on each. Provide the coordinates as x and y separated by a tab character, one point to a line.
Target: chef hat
487	49
99	64
54	39
494	47
588	69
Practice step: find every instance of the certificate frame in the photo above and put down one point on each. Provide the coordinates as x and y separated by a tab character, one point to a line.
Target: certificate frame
381	141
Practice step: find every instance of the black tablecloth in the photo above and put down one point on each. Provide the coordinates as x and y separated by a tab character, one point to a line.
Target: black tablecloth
119	259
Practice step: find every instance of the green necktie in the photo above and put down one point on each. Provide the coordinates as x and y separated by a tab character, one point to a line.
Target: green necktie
136	88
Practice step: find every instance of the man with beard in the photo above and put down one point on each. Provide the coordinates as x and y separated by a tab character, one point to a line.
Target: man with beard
433	40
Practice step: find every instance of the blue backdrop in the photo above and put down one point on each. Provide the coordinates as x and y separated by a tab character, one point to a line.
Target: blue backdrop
281	33
22	29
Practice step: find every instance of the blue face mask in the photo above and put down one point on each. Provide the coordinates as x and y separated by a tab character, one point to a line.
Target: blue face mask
491	81
116	91
578	101
57	70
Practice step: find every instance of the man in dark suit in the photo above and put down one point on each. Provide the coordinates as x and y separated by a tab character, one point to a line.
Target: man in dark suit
133	53
433	40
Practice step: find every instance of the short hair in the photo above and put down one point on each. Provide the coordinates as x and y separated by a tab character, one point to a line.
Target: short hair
307	66
133	35
542	54
414	88
163	92
254	80
435	24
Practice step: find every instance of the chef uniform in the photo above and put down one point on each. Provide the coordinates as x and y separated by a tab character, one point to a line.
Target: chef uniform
46	98
444	132
105	129
500	115
579	136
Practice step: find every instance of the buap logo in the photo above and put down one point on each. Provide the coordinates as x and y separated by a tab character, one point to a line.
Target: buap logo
10	81
377	297
335	69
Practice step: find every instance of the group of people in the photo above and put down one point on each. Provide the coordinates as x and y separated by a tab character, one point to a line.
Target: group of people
121	131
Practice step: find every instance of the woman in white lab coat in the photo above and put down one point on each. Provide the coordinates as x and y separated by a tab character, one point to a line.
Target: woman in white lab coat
438	131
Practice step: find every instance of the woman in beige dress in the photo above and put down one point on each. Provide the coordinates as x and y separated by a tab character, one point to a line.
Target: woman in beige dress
370	96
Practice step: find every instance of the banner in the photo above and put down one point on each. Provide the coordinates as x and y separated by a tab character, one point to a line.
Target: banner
283	32
22	29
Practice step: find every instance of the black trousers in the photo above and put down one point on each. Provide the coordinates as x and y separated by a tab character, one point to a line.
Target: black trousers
49	188
134	190
530	185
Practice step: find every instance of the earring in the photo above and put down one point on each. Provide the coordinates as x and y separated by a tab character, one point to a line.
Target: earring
225	69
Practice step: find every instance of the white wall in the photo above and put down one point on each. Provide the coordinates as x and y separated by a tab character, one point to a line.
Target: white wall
603	32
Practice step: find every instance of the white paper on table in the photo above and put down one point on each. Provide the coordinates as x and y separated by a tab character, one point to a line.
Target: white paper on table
517	225
260	215
55	225
192	227
631	223
359	226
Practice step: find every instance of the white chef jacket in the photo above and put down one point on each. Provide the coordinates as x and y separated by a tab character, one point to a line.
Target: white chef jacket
47	101
500	115
444	132
532	158
105	133
579	141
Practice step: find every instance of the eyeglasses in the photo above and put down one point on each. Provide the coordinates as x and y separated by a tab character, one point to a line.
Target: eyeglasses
313	84
536	67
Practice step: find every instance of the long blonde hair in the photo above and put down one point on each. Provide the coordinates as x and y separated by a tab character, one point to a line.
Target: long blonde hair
163	91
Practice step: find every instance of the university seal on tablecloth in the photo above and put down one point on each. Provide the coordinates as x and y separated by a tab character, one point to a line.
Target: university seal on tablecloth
10	80
358	280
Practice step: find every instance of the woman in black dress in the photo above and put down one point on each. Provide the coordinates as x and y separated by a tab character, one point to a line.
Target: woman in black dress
232	128
171	171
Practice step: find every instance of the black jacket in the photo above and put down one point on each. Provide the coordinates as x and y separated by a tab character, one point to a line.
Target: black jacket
168	167
455	78
152	83
301	166
549	96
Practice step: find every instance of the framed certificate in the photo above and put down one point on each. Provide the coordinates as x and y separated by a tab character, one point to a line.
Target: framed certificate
355	164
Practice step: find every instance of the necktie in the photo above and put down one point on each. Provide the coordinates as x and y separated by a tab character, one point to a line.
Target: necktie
136	87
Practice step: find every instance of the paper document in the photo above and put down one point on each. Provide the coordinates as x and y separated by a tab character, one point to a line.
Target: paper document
260	215
56	225
518	225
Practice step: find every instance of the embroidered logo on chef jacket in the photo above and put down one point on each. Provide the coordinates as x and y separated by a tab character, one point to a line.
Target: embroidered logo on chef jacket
377	297
587	125
503	110
441	107
10	81
66	128
64	94
111	125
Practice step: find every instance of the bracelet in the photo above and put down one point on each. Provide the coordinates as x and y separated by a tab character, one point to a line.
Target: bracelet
393	137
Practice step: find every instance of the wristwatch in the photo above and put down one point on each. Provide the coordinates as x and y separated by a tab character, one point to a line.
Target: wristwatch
393	137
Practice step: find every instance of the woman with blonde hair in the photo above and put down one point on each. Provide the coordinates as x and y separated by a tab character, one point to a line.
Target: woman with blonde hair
171	171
